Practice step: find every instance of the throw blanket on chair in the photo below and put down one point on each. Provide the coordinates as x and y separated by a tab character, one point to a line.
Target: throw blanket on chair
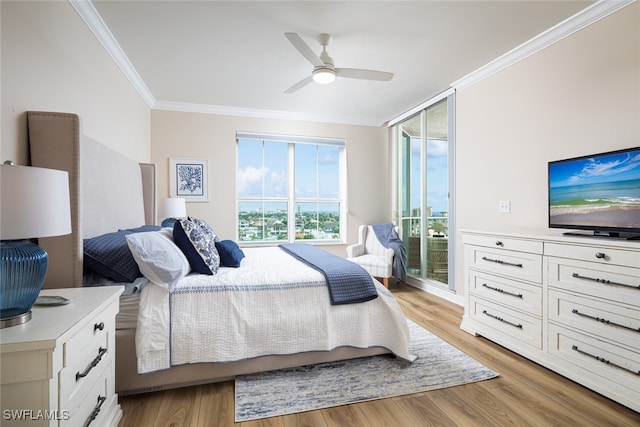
348	282
388	237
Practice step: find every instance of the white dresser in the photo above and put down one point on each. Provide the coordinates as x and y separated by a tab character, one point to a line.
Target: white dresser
571	304
58	368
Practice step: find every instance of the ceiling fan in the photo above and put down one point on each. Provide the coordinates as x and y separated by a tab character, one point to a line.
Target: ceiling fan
324	71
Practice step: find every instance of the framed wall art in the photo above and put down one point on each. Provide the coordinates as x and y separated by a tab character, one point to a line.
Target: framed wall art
188	178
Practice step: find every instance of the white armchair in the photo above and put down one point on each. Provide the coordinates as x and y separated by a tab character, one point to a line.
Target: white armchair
371	255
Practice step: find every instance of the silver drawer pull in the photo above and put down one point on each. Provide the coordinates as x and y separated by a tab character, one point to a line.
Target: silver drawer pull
96	410
519	326
601	255
604	281
499	261
499	243
603	360
502	291
94	363
605	321
98	326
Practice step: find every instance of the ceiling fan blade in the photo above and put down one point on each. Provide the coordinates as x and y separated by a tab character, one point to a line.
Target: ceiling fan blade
302	83
304	49
356	73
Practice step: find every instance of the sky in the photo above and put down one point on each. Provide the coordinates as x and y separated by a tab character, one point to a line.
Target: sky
606	168
437	174
263	168
266	169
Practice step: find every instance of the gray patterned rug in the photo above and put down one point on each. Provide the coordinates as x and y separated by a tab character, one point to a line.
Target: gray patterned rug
324	385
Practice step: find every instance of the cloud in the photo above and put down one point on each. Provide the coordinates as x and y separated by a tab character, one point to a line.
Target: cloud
250	179
277	183
437	148
593	168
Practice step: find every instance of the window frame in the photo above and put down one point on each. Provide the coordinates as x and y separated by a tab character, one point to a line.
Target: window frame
291	198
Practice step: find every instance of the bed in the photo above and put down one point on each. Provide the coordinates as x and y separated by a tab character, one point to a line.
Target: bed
97	197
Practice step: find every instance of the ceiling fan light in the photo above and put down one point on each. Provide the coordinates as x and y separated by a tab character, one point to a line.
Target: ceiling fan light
324	76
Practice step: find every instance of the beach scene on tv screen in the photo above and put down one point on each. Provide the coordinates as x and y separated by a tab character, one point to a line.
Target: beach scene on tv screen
598	191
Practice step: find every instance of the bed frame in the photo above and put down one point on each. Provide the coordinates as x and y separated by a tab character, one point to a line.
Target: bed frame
109	191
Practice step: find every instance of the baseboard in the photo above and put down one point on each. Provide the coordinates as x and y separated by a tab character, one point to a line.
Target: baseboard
445	294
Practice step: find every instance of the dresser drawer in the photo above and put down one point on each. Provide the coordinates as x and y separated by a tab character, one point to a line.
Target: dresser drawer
512	293
594	253
518	265
614	283
82	347
73	386
524	328
570	304
43	356
506	243
597	317
606	365
94	401
86	356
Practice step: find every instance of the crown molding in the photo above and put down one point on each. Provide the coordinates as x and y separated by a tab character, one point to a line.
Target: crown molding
585	17
264	114
421	106
94	21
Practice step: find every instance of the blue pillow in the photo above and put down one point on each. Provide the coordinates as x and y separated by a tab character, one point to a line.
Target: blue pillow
197	241
109	255
143	229
230	253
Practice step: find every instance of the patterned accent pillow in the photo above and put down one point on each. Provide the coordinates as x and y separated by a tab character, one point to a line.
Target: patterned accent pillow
197	240
109	256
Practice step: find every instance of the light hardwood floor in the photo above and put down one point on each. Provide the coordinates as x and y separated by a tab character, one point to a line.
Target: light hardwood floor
525	394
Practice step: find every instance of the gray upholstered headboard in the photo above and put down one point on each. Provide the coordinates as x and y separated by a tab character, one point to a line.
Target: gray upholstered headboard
108	191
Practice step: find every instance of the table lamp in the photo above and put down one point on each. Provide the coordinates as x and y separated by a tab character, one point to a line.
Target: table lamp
34	202
172	208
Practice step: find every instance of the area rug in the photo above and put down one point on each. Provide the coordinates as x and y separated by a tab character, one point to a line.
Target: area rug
288	391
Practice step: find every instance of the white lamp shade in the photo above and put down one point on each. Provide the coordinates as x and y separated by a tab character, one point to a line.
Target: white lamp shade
34	202
174	207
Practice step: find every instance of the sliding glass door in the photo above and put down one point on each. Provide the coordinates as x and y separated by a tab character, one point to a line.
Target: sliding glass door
423	151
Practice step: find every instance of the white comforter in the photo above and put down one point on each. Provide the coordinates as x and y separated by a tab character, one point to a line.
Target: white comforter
273	304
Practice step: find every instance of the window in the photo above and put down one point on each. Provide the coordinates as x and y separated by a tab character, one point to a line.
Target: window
424	148
290	188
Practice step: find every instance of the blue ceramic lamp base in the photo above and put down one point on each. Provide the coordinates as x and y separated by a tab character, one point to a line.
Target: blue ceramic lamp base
15	320
24	266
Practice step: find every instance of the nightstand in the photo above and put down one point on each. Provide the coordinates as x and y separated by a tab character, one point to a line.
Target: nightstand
58	369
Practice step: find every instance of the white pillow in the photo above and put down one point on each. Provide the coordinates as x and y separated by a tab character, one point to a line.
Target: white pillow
158	258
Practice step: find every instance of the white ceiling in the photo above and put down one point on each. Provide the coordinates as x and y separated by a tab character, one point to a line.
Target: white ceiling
232	56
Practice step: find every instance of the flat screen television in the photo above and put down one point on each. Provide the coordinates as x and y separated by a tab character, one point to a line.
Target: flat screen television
599	193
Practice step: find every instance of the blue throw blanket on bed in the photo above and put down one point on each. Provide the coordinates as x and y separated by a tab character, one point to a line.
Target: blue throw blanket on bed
348	282
388	237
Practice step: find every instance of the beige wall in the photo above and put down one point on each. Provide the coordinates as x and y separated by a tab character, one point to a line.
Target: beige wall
51	61
177	134
576	97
